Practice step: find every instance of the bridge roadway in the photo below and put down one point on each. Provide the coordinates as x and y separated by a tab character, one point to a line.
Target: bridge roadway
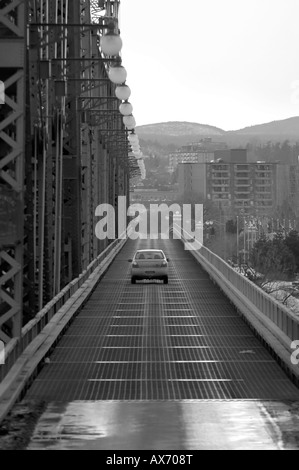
154	366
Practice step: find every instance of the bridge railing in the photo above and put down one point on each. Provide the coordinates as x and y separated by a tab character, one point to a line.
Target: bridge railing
30	331
274	322
280	315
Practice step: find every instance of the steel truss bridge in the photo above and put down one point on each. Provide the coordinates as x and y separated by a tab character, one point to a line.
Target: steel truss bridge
63	149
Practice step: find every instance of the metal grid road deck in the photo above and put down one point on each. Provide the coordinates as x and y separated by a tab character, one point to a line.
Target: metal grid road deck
152	341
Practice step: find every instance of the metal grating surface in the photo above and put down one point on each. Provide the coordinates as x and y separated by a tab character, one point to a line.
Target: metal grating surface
150	341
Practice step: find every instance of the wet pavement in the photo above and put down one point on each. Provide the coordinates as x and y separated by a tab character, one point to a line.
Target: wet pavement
154	366
182	425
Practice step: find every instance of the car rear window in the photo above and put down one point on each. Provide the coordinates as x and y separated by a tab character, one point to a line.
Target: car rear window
149	255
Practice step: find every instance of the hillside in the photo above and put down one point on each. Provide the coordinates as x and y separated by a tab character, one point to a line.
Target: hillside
285	127
177	133
180	128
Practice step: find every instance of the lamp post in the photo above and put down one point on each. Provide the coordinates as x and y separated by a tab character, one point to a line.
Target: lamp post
222	224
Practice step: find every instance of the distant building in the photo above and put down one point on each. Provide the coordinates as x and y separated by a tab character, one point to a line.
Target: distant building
195	152
236	185
288	185
231	155
152	196
192	178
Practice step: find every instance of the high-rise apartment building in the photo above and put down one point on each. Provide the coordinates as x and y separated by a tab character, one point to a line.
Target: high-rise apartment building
288	185
196	152
236	185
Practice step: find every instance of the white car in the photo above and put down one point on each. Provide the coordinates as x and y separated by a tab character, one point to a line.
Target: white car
149	264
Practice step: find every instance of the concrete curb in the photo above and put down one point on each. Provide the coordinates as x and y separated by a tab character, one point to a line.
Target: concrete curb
21	373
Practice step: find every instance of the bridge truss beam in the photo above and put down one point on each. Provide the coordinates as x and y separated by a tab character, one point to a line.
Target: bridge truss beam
63	149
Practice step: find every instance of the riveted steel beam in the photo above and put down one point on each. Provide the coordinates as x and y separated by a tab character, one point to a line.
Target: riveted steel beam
12	160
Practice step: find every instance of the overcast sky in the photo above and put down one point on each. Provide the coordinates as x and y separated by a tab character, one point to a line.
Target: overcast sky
226	63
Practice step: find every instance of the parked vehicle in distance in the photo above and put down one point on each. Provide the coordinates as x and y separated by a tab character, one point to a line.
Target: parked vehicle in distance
149	264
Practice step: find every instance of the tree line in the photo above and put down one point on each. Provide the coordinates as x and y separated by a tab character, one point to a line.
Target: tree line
276	258
278	151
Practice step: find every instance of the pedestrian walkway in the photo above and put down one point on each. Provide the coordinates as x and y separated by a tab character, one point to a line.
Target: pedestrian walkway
150	341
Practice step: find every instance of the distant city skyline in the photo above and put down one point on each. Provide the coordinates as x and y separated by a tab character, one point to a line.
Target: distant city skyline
226	64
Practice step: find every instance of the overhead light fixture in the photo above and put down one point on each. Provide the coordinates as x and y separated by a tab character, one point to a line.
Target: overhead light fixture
133	138
135	144
123	92
125	108
117	74
111	43
129	122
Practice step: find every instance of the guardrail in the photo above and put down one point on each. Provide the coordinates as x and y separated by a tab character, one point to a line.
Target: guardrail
32	329
274	323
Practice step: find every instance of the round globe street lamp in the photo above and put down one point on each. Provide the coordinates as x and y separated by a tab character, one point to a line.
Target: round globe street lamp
135	145
123	92
129	122
111	43
133	138
125	108
117	74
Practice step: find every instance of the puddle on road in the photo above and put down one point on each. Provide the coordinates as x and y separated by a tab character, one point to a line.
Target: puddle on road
172	425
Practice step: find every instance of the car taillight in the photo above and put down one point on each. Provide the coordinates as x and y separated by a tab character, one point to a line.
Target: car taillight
164	263
135	264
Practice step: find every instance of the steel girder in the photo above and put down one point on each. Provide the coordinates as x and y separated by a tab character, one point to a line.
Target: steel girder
12	161
61	124
48	45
